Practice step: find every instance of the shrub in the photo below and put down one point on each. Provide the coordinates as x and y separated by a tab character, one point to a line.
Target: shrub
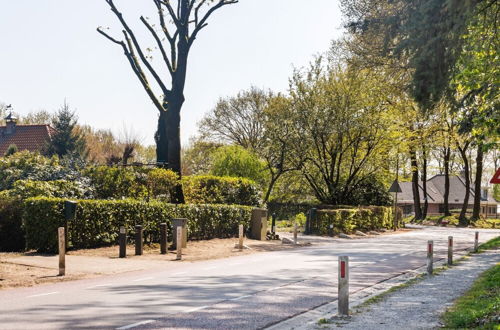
220	190
59	188
97	222
11	232
236	161
117	182
161	183
348	221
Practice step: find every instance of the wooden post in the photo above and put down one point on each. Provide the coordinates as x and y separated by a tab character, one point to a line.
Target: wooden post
343	293
163	238
122	239
430	257
62	251
240	236
295	229
138	240
450	250
179	242
476	242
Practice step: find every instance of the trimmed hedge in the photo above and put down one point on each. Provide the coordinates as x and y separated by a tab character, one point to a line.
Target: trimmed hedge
349	220
97	222
11	233
209	189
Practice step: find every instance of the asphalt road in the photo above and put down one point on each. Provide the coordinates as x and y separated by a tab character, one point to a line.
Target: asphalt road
247	292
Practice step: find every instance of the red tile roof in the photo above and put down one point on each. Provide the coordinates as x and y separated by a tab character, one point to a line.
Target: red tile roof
25	137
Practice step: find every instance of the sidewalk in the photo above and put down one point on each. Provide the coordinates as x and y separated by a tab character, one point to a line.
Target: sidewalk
417	306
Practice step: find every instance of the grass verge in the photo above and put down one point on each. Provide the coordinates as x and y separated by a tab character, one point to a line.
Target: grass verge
480	306
491	244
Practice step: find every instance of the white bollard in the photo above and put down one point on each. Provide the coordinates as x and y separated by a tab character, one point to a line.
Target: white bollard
295	230
179	242
430	258
240	236
343	293
62	252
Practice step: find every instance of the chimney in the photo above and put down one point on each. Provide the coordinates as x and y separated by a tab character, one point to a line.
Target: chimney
10	122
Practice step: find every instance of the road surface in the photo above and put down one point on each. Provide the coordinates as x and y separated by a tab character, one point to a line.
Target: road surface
247	292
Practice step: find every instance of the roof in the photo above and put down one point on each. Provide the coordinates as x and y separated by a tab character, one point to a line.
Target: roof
435	191
25	137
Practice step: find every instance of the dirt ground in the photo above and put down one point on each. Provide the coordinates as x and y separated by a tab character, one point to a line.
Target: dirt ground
30	268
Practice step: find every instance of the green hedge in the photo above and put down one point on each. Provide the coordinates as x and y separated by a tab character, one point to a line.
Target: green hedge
209	189
23	189
97	222
349	220
11	233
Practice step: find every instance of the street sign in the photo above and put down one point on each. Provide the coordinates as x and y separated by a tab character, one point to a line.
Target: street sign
395	187
496	178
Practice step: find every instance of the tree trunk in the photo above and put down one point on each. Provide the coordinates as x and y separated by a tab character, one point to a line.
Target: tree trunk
462	220
477	185
414	179
447	152
424	183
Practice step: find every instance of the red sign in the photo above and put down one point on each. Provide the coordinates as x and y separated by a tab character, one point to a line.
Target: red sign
496	178
342	269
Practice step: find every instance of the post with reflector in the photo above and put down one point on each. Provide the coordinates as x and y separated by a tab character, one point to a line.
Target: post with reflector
430	257
179	242
122	240
343	294
240	238
450	250
163	238
476	242
295	230
62	251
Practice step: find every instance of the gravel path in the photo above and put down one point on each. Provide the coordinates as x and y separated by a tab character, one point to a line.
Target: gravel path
419	306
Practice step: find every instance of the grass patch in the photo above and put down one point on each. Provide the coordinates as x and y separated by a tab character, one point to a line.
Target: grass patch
480	306
323	321
491	244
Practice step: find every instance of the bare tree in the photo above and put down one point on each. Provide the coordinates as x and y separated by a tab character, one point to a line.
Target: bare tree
180	22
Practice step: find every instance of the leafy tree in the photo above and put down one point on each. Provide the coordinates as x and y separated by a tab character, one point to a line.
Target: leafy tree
236	161
66	141
179	24
198	157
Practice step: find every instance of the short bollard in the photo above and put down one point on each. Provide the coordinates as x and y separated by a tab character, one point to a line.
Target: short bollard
163	238
343	294
62	251
138	240
450	250
179	239
122	239
273	224
240	236
430	257
476	242
295	230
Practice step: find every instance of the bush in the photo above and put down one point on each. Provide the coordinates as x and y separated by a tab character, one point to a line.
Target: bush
236	161
220	190
349	220
161	183
59	188
118	182
97	222
11	232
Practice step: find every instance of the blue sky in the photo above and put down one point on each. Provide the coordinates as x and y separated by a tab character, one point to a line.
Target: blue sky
50	51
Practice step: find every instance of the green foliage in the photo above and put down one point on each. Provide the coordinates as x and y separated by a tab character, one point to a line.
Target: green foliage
12	149
23	189
300	219
66	140
97	222
161	183
236	161
350	220
11	233
478	307
117	182
220	190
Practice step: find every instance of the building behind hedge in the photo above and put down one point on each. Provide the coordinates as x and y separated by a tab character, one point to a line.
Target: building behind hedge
435	197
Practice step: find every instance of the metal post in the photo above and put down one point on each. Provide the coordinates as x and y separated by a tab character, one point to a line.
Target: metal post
450	250
62	251
273	224
240	236
138	240
476	242
430	257
343	294
179	242
295	230
122	238
163	238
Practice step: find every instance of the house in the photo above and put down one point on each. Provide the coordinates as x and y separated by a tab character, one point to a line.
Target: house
435	197
25	137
